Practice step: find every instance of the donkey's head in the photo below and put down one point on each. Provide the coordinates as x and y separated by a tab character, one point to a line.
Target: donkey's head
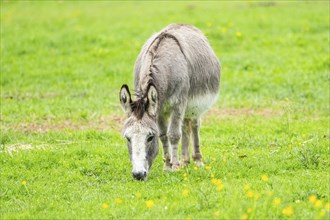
140	129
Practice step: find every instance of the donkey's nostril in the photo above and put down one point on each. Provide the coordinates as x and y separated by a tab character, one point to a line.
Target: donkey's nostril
139	175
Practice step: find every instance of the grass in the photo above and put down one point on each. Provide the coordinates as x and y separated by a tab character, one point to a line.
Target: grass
265	142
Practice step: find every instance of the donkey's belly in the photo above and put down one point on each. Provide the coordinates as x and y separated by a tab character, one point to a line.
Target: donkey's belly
197	105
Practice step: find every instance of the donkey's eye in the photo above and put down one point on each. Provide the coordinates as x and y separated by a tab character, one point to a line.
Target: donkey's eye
150	138
128	139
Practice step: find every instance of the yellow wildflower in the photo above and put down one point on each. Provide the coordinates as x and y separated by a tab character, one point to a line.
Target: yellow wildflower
312	199
105	205
216	213
208	167
327	206
249	210
188	218
195	168
185	193
216	181
138	195
23	182
149	204
185	179
220	187
277	201
238	34
118	201
288	211
212	175
264	178
223	30
185	174
244	216
250	194
318	203
322	213
247	187
184	185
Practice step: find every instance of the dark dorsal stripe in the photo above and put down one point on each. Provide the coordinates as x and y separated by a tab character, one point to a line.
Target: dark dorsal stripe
161	37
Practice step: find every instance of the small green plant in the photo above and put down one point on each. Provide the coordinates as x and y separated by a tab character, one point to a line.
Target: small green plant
308	158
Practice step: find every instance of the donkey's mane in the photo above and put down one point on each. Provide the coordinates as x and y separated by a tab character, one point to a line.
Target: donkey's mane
140	105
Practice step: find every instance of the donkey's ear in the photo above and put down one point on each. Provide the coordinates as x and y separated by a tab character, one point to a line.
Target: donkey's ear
152	100
125	99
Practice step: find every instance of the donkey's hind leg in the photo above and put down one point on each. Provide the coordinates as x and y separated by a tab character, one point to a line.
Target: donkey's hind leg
185	141
197	154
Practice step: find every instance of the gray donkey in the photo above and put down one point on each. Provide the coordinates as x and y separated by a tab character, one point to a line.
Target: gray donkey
176	79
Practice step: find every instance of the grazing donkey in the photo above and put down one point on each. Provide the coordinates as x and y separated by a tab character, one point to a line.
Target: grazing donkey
176	79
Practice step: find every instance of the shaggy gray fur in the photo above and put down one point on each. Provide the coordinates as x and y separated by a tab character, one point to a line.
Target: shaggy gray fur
184	74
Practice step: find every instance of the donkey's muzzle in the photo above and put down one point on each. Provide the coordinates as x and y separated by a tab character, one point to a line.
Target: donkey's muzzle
139	175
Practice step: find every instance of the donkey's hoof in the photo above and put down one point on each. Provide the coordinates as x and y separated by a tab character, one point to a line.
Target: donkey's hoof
184	163
167	167
176	167
199	163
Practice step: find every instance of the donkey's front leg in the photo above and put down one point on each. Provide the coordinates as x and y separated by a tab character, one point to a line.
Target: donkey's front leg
174	134
162	124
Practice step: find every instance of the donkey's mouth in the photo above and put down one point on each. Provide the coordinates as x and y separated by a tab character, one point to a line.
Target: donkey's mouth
139	175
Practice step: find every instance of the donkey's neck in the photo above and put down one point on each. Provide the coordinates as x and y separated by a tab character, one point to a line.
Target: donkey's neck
149	74
141	90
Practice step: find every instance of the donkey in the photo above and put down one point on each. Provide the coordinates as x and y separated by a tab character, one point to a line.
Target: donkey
176	79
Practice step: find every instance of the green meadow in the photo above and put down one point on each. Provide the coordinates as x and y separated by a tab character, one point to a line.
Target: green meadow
265	143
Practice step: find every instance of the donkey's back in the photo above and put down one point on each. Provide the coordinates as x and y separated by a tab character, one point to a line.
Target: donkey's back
183	66
203	65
